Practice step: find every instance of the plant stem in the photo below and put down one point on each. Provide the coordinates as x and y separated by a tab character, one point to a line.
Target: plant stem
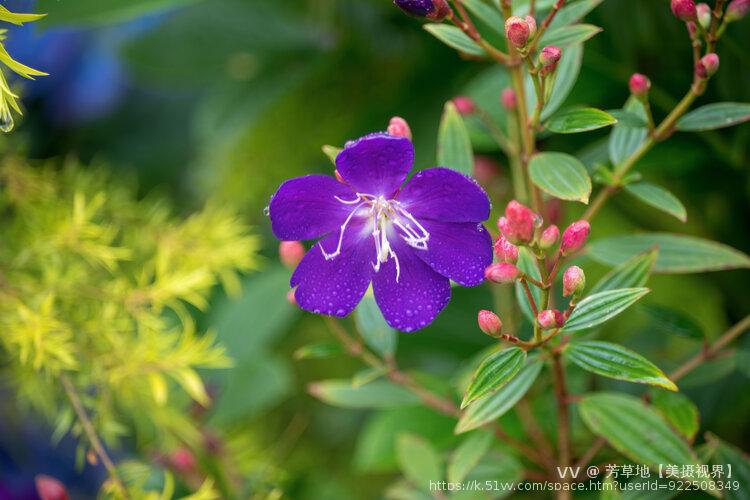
529	296
563	416
534	430
465	24
88	429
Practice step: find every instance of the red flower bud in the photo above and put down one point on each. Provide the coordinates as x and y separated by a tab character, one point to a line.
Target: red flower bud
684	10
464	105
517	30
532	24
182	460
508	99
503	272
49	488
711	63
398	127
520	223
547	70
703	11
575	237
547	319
574	281
291	253
505	250
550	55
737	10
489	323
549	237
485	169
559	318
639	85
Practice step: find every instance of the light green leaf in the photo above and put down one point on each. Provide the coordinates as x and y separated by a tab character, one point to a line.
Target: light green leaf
454	147
455	38
376	333
659	198
564	79
574	120
725	454
628	118
617	362
600	307
418	460
713	116
677	253
561	175
527	264
495	405
633	429
468	455
494	372
574	12
378	394
331	152
367	375
632	273
679	411
671	321
569	35
625	139
318	350
488	14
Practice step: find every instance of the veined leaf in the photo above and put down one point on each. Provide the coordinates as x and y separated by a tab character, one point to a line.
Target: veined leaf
455	38
376	333
527	264
672	321
659	198
488	14
495	405
633	429
467	455
625	139
564	79
615	361
677	253
377	394
574	120
627	118
454	147
569	35
725	454
632	273
494	372
418	460
713	116
599	307
679	411
561	175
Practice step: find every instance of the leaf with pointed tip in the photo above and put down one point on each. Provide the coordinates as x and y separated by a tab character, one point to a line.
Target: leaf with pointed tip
331	152
569	35
467	455
680	412
671	321
455	38
561	175
418	460
627	118
574	120
376	333
725	454
625	139
318	350
377	394
454	146
714	116
600	307
494	372
630	274
617	362
659	198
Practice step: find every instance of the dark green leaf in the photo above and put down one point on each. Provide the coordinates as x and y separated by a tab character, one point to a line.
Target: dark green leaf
679	411
468	455
615	361
600	307
454	147
376	333
632	273
378	394
576	120
625	139
713	116
418	460
561	175
671	321
494	372
659	198
318	350
455	38
527	264
569	35
574	12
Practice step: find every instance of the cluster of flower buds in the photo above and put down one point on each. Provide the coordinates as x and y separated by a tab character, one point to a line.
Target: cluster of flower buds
490	323
548	59
398	127
435	10
707	66
519	30
737	10
639	85
464	105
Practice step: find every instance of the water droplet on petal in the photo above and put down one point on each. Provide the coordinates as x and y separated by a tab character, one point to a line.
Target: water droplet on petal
6	121
267	211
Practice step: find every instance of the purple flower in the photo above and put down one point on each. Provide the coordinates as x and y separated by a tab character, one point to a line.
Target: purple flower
409	240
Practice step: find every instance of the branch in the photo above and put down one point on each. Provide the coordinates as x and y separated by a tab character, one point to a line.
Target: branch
563	416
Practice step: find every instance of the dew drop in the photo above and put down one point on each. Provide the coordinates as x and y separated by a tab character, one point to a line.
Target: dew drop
267	211
6	121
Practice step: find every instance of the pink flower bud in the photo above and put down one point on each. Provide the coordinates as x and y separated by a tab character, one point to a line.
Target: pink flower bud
737	10
550	55
291	298
684	10
489	323
549	237
520	223
559	318
508	99
182	460
692	29
703	11
398	127
639	85
291	253
485	169
575	237
574	281
49	488
505	250
464	105
532	24
547	70
503	272
547	319
517	30
711	63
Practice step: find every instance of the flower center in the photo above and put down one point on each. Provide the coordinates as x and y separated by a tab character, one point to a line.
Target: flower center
385	216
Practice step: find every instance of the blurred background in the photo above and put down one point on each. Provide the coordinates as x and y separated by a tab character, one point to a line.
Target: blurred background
224	99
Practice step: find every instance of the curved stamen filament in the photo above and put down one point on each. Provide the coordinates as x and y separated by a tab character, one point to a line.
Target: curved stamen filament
337	252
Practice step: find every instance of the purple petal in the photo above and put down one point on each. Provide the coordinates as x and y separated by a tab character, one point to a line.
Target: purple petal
417	297
445	195
376	164
305	208
459	251
335	286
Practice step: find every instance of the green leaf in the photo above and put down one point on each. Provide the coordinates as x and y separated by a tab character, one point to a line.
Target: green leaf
671	321
617	362
659	198
574	12
574	120
376	333
569	35
367	375
564	80
468	455
378	394
632	273
331	152
318	350
527	264
561	175
488	14
726	454
101	11
628	118
495	405
418	460
680	412
633	429
625	139
455	38
494	372
714	116
677	253
454	147
600	307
